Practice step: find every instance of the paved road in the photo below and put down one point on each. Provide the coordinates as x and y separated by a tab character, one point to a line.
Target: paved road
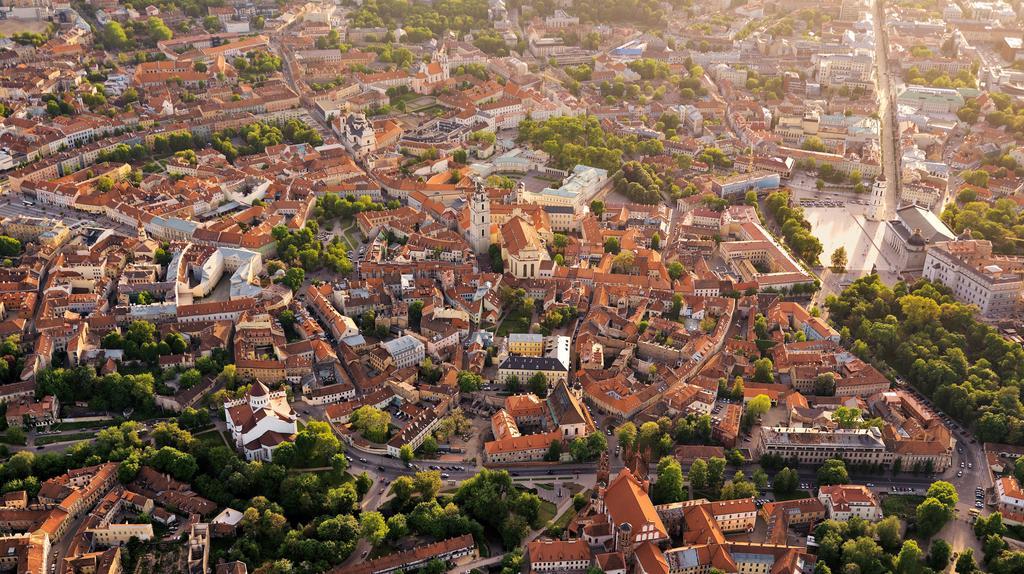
886	109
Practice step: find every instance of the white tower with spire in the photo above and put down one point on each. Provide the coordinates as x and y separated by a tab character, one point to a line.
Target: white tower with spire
479	233
876	207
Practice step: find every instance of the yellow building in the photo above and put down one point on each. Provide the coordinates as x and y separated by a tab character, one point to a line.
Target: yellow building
42	230
527	344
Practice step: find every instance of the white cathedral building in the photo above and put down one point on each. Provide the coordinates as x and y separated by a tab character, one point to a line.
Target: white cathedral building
260	421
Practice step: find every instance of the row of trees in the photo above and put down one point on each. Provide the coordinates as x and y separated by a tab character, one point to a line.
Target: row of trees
795	229
333	206
642	183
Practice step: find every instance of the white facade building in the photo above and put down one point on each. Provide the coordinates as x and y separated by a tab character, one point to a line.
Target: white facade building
992	283
406	351
260	421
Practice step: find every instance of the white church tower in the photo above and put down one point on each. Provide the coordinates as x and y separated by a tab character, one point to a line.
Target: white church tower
479	234
877	206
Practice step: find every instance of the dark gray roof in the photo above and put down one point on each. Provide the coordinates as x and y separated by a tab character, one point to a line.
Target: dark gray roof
559	209
932	228
519	363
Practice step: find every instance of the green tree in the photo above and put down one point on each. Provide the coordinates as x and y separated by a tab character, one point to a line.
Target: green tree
764	371
939	555
825	385
760	479
932	515
669	487
909	559
429	446
699	474
115	37
406	453
993	524
469	381
833	472
944	492
372	422
554	451
839	260
888	532
785	482
675	270
863	552
626	434
965	563
190	378
716	471
539	384
397	526
846	417
373	527
294	277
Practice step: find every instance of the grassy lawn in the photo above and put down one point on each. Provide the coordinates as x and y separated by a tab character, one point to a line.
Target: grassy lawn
515	322
406	97
355	237
795	495
574	488
901	505
5	440
546	486
214	438
562	521
330	480
547	511
431	110
45	440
